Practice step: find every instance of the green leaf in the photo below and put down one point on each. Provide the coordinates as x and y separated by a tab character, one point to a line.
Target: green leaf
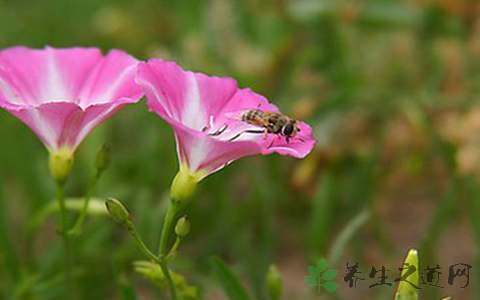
321	213
313	271
331	286
329	275
321	265
228	280
311	281
346	235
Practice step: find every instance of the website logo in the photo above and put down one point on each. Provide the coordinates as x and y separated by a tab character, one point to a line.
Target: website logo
321	278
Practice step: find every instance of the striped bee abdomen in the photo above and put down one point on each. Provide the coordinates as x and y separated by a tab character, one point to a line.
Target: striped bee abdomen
252	115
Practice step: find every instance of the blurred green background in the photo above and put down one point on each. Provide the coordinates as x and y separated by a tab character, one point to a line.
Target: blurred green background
390	87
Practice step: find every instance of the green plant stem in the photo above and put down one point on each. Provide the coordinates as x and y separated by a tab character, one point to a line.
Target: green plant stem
174	248
60	195
168	224
134	233
77	227
173	292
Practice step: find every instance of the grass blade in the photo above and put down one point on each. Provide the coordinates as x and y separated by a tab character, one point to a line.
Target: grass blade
228	280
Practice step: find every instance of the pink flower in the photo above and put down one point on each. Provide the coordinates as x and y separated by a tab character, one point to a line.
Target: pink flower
63	94
206	115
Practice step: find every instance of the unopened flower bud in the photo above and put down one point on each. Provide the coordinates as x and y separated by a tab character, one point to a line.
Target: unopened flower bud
406	290
103	157
184	185
60	164
274	283
183	227
117	211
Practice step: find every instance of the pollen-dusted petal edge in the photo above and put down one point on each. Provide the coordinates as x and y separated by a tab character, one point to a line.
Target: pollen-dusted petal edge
205	113
63	94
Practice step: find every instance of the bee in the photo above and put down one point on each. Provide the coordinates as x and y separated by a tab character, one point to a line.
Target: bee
270	122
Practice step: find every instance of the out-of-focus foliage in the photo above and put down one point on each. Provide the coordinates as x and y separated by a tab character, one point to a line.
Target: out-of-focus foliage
390	87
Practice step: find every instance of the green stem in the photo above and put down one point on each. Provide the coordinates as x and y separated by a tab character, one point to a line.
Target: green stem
60	195
168	276
134	233
174	248
168	223
77	227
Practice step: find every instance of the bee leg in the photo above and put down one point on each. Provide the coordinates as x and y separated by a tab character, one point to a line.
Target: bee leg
219	131
246	131
271	143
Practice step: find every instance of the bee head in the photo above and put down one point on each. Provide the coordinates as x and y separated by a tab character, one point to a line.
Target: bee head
290	129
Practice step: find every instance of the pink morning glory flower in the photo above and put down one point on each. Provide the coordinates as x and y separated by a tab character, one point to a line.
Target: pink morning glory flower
63	94
206	115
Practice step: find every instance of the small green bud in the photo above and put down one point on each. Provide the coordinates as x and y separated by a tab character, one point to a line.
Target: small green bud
183	227
103	157
184	185
274	283
117	211
405	290
60	164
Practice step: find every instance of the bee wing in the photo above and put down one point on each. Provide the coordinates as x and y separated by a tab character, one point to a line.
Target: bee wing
268	114
235	115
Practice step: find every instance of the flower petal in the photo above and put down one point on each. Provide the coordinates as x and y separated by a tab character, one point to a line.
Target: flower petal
38	76
64	124
204	153
246	99
298	146
111	78
184	96
62	94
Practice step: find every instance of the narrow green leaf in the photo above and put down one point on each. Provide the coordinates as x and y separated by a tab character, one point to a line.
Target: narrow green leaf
313	271
321	214
329	275
311	281
331	286
228	280
346	236
321	265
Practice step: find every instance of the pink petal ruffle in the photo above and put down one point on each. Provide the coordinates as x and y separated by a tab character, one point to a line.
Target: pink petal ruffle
63	94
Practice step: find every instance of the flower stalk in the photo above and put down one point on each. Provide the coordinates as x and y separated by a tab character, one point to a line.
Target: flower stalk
60	196
168	222
60	165
121	215
182	189
171	285
102	163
